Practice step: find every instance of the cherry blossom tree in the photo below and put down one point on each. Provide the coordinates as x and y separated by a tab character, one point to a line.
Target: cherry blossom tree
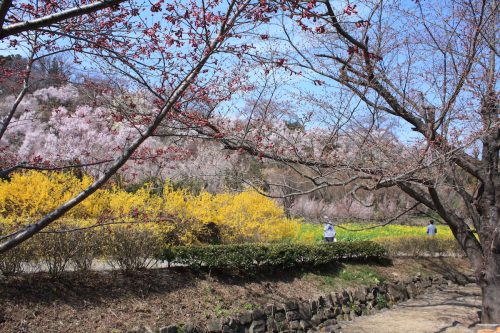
176	54
413	85
88	138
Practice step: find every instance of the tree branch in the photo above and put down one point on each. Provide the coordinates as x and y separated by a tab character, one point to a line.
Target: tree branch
48	20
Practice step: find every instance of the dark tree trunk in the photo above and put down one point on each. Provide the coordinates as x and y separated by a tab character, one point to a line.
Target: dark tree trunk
489	275
490	287
490	310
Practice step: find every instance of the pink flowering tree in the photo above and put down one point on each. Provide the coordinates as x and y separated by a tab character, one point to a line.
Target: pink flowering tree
405	96
176	55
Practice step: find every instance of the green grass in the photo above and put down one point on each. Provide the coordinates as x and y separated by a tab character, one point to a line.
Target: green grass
347	276
345	232
248	306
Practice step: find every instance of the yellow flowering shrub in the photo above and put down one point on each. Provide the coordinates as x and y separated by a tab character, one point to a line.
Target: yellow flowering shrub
176	213
240	217
33	194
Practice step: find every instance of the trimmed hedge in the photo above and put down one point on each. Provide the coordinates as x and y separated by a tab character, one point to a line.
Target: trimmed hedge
279	255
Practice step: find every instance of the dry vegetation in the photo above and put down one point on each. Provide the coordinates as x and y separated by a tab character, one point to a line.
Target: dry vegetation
114	302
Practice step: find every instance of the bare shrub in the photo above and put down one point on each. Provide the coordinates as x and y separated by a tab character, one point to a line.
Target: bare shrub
56	250
11	262
420	246
88	247
130	249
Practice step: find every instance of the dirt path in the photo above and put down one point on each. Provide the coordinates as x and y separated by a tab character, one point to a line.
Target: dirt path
450	309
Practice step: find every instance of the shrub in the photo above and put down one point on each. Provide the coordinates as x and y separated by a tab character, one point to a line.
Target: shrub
186	218
131	248
88	247
277	255
416	246
55	250
11	262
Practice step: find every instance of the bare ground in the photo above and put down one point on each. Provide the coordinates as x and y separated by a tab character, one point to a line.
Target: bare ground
115	302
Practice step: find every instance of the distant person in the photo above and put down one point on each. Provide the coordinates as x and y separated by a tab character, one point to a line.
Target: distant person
329	231
431	229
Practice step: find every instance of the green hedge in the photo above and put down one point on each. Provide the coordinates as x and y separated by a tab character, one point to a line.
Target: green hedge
279	255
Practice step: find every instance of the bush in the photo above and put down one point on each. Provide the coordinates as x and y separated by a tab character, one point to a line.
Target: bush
416	246
89	246
186	218
278	255
130	249
55	250
11	262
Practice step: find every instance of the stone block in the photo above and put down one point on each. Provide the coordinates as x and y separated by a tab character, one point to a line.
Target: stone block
280	316
360	294
316	320
290	306
328	322
227	329
342	298
305	311
245	318
233	323
282	326
396	292
305	324
169	329
352	314
258	314
294	325
292	315
335	299
370	296
321	302
329	313
411	290
214	326
271	325
257	326
270	310
314	306
329	301
280	308
348	293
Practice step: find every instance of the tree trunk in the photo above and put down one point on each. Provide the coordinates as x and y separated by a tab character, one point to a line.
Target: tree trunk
489	275
490	287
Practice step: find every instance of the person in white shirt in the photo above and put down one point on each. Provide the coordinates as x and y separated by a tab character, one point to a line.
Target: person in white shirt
431	229
329	231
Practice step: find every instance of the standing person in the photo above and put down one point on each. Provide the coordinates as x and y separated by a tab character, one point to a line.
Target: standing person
431	229
329	231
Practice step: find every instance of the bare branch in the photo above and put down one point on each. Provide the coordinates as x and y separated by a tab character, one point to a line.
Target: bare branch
48	20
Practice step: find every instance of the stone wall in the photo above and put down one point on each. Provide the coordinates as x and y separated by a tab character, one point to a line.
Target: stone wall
320	315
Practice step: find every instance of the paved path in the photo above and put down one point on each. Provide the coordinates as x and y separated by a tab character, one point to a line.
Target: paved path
451	309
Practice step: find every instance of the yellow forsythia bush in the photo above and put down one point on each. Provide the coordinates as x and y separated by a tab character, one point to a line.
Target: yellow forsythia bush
174	215
33	194
241	217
